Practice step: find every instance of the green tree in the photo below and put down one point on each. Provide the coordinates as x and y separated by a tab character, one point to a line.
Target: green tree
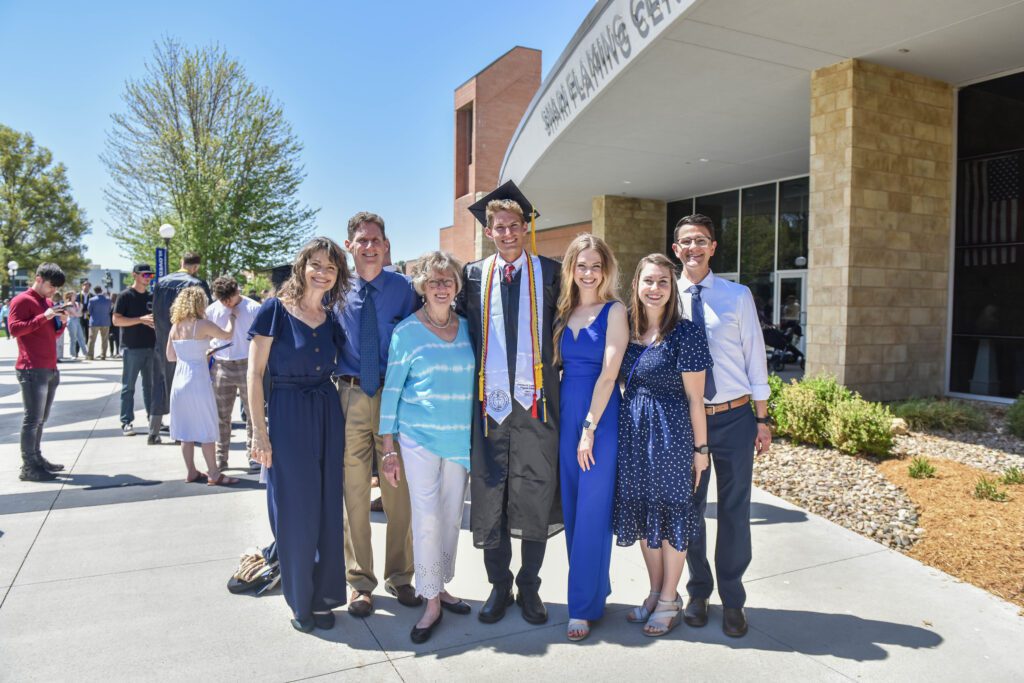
201	147
39	219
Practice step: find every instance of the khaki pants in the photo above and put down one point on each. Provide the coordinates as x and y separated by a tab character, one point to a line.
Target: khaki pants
103	332
229	382
362	445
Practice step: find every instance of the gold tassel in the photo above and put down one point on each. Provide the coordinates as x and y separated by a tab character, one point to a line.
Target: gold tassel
533	231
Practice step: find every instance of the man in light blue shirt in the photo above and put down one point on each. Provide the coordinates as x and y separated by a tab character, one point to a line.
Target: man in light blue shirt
735	432
376	303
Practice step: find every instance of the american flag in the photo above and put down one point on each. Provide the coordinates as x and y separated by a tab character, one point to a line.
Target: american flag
991	224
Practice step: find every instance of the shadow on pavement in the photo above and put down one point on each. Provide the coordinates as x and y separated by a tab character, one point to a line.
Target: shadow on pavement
763	513
100	489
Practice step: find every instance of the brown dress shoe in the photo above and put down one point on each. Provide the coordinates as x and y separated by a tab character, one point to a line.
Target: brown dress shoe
360	604
734	622
406	595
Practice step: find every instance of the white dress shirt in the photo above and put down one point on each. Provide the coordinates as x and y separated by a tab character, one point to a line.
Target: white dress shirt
517	264
734	337
246	311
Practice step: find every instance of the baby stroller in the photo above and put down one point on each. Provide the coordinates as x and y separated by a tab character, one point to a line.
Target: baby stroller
781	350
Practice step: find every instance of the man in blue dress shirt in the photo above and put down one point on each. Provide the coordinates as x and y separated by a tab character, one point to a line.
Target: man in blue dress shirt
735	432
377	301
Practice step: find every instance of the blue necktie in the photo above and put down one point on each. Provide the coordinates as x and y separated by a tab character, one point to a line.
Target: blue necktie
369	345
697	313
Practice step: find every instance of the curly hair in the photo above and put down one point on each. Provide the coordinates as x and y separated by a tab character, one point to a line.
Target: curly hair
294	288
435	262
190	304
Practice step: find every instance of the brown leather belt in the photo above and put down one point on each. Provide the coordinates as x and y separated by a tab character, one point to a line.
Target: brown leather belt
353	381
727	406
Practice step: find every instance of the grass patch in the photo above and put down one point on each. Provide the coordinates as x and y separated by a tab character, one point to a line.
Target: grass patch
946	415
920	468
1012	475
985	488
1015	417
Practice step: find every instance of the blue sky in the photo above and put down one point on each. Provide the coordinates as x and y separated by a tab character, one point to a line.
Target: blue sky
367	86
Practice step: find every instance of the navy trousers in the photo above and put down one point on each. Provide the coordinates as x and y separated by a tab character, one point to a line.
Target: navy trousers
731	438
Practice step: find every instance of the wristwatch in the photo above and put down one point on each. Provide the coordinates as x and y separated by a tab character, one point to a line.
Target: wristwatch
703	450
587	424
763	420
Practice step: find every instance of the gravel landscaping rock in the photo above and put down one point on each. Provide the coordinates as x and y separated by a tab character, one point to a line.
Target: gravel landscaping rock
847	490
992	451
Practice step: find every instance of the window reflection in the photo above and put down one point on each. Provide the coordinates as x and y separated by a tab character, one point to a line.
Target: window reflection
794	200
723	208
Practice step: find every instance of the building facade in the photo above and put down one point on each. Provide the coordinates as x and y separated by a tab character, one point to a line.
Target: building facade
862	162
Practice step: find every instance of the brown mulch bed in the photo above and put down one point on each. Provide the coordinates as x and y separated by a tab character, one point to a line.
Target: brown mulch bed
978	541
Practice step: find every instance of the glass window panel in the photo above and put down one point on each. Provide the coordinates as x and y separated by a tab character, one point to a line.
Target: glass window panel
757	237
724	209
763	289
675	211
794	203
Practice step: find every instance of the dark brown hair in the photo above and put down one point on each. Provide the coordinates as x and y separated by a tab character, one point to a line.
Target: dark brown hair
224	288
191	258
638	314
365	217
697	219
294	288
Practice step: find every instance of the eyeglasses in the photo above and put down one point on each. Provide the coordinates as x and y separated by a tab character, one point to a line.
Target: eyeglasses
701	242
447	283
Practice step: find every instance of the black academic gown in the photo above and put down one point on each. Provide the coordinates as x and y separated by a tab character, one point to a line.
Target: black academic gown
515	468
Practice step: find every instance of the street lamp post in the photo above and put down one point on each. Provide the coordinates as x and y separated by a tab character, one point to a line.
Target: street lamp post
12	271
167	232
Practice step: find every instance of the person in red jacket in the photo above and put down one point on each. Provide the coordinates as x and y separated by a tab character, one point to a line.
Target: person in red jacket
36	324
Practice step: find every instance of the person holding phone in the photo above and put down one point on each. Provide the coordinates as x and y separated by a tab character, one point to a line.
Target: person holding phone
37	324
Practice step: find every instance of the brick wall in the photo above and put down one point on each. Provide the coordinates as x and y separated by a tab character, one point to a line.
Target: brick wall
881	195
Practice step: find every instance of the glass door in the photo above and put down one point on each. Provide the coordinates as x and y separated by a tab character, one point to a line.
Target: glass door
790	306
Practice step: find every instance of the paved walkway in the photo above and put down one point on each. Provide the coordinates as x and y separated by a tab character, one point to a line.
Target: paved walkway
117	572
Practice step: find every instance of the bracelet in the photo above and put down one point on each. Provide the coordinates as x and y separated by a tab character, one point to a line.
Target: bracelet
389	454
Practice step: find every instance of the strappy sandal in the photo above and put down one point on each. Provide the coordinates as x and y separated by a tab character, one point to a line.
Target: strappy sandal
221	480
674	615
639	615
577	630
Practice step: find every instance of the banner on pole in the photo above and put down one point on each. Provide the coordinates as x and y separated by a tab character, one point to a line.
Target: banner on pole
161	262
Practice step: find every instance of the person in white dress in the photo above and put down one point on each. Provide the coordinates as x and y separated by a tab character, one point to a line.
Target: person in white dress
193	407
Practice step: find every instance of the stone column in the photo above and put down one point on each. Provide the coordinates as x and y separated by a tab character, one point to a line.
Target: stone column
632	227
879	254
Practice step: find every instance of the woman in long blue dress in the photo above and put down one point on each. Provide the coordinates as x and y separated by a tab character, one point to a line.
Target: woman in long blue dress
590	336
296	340
662	438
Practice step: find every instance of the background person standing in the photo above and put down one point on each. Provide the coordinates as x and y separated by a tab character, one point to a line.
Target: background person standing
37	326
133	313
165	291
231	365
99	312
82	299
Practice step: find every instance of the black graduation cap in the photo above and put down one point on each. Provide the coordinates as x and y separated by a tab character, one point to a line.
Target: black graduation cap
506	191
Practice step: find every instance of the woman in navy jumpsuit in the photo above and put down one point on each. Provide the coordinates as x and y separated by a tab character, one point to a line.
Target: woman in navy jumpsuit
295	345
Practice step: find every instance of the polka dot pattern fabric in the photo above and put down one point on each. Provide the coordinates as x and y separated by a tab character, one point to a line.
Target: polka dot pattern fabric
654	485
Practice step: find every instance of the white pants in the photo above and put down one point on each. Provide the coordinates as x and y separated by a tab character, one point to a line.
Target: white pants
437	490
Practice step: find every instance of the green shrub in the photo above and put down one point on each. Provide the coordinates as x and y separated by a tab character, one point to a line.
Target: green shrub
933	413
803	409
859	426
1012	475
775	385
920	468
986	489
1015	417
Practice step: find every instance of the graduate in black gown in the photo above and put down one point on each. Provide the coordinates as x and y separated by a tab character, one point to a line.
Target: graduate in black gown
514	459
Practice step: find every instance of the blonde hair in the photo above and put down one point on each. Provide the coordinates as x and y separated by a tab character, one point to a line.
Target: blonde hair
569	296
190	304
435	261
496	205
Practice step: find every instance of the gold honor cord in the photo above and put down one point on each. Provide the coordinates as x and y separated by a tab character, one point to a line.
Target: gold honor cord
538	365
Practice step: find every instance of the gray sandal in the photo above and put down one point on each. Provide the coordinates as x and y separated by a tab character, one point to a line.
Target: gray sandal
641	614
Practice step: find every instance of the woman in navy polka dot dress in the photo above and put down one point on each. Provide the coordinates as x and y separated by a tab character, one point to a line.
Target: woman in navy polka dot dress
662	428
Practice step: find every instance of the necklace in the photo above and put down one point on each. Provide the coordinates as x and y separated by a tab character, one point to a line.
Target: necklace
426	312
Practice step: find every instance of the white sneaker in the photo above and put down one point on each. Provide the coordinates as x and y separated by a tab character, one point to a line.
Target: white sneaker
127	429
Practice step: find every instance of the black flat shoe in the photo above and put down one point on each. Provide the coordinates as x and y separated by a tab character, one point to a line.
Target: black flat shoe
422	635
323	620
460	607
498	601
50	466
734	622
303	625
532	606
696	613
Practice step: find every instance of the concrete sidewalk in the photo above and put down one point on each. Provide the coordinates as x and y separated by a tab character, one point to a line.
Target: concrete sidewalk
117	572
